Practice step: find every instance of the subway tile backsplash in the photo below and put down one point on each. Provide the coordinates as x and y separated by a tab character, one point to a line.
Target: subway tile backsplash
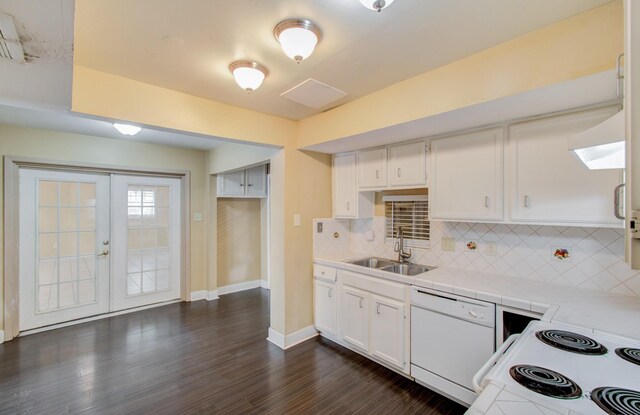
580	257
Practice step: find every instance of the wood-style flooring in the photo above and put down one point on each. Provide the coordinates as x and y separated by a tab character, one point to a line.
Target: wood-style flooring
198	358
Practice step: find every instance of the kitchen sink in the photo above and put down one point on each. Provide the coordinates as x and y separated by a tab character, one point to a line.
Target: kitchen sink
375	263
406	269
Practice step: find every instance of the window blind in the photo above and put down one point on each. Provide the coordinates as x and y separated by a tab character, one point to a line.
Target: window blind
412	214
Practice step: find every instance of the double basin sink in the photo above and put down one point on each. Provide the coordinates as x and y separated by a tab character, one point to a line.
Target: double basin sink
405	268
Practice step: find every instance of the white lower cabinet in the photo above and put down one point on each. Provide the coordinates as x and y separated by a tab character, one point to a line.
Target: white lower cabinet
325	307
387	330
354	317
372	318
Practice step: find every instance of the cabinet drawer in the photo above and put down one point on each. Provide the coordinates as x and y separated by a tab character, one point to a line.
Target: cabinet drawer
324	272
373	285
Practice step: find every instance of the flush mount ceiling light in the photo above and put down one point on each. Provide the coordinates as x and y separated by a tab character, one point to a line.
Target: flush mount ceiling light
248	74
376	4
298	38
127	129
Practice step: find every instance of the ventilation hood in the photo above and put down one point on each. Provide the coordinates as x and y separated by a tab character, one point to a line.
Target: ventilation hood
602	146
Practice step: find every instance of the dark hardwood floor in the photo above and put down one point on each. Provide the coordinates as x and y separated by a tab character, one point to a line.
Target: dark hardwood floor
202	357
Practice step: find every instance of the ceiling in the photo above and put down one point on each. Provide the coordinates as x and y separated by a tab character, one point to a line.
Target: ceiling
187	45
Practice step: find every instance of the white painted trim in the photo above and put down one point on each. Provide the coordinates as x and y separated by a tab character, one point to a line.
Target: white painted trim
212	295
93	318
1	336
241	286
197	295
264	284
291	339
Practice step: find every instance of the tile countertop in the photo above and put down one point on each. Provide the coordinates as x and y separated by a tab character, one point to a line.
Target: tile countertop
600	311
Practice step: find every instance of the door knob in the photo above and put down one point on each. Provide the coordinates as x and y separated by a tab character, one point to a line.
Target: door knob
104	253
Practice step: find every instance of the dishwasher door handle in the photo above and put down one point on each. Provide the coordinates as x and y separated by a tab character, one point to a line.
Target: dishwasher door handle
477	379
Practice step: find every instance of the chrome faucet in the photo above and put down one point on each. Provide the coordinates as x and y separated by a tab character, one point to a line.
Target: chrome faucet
399	248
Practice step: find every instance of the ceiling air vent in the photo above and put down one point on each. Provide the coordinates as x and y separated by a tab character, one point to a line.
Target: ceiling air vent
10	47
313	94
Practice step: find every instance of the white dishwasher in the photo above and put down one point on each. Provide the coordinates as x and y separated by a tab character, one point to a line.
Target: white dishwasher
451	338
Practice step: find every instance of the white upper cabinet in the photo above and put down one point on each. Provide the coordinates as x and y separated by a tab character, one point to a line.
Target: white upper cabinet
547	184
407	164
244	183
347	202
372	168
467	182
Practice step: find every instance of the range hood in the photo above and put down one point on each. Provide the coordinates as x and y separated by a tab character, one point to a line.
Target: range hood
602	146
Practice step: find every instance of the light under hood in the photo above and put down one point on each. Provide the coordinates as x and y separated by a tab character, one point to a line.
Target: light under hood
602	146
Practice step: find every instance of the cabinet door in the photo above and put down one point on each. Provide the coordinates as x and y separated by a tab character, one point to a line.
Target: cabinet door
344	186
256	182
548	184
354	318
387	330
407	164
372	168
325	307
232	184
468	176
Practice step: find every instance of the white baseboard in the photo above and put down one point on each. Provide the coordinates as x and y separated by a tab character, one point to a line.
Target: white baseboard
264	284
291	339
212	295
241	286
204	295
1	336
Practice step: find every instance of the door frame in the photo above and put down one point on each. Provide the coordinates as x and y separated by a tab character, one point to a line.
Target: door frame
12	166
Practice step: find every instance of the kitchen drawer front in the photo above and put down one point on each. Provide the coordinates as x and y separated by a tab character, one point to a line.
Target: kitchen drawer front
373	285
325	273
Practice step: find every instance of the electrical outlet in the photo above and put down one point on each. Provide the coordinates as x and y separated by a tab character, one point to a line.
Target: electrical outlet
491	248
319	227
448	244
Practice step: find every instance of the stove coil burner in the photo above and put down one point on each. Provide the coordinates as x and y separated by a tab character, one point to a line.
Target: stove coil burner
617	401
630	355
571	342
545	382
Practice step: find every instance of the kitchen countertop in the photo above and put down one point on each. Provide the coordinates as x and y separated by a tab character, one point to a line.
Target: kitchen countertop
599	311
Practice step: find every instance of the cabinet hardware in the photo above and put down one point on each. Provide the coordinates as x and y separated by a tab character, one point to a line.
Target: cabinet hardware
617	197
399	172
249	185
348	206
377	174
330	292
241	184
526	201
378	308
361	300
486	201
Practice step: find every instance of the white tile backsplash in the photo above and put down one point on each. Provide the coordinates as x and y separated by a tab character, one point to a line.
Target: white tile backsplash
595	261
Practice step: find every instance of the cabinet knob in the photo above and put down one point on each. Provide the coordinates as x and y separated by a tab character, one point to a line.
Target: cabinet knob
330	294
377	174
348	206
399	172
378	308
361	300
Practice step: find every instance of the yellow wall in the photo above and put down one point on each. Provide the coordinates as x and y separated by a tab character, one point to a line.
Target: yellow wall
239	241
581	45
53	145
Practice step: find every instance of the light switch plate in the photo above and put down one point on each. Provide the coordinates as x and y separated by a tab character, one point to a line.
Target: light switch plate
491	248
296	219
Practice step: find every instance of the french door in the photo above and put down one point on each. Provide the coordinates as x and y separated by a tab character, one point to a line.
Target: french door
95	243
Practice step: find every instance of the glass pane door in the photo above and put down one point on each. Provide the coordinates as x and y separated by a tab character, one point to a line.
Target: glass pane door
64	229
147	249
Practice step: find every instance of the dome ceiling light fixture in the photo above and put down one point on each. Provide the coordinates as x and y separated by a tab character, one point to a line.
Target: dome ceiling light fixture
376	4
127	129
248	74
298	38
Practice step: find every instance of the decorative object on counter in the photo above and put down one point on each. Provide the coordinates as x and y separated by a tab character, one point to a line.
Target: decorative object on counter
248	74
561	254
298	38
472	245
376	5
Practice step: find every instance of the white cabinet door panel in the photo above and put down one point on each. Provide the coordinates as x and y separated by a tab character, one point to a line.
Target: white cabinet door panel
232	184
387	330
344	186
325	307
372	168
407	164
256	181
468	176
354	317
547	183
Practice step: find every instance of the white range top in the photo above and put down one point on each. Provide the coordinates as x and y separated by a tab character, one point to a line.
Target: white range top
599	311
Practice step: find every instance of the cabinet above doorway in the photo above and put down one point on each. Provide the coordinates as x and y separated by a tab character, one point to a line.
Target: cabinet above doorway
250	183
